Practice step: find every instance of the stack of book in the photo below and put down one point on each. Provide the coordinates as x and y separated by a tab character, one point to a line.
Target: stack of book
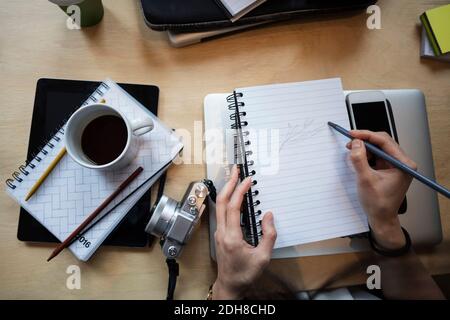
436	33
233	9
192	21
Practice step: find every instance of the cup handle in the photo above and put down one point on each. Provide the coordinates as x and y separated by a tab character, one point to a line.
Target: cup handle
141	126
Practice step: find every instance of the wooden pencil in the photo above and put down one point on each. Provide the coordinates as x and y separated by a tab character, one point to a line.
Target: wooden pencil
94	214
46	173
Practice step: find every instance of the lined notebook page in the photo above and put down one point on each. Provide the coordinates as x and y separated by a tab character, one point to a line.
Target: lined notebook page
302	168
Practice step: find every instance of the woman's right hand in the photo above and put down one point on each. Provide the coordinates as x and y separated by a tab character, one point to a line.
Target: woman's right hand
381	189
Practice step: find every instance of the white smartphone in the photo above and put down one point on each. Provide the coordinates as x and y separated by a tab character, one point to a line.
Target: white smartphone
368	110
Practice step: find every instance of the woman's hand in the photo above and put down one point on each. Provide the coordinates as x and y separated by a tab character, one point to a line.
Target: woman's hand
381	189
239	264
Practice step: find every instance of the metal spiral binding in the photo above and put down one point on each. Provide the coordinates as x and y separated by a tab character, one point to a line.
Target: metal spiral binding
35	156
23	170
252	223
43	150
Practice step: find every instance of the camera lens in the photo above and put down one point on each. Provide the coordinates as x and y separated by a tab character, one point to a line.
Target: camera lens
161	218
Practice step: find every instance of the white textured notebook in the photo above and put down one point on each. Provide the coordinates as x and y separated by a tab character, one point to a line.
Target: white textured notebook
301	166
71	192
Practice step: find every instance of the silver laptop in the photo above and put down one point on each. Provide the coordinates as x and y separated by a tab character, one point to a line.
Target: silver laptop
422	217
180	39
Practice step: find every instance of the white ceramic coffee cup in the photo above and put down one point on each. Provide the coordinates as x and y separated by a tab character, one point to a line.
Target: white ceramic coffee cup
83	116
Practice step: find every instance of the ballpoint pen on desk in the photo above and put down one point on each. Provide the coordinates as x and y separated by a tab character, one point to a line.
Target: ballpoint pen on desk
396	163
46	173
94	214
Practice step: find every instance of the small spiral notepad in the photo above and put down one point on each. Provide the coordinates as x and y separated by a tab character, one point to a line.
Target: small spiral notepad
299	166
71	192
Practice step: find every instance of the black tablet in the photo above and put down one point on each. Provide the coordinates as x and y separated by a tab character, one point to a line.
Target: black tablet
54	102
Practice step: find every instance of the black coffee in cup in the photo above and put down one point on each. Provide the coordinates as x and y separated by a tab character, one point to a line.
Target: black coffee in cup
104	139
101	137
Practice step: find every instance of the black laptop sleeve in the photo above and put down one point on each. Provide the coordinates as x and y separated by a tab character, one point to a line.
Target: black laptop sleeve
197	15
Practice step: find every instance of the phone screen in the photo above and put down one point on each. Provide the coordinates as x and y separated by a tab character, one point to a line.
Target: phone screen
371	116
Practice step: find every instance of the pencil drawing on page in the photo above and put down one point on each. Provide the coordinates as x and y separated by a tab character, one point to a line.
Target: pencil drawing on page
300	132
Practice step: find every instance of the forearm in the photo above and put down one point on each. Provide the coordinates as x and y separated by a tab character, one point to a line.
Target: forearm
388	234
405	277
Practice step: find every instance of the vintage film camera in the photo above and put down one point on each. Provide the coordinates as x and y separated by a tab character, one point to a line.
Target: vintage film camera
174	221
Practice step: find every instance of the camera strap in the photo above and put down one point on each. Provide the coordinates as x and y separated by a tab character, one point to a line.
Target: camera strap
174	270
211	188
172	264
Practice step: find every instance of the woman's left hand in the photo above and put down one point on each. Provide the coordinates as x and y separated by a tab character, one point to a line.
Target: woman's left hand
239	264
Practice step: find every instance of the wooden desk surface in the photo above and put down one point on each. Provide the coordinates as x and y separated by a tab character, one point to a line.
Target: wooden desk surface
35	43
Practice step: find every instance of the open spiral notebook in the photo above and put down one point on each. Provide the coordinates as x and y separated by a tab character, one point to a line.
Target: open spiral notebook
71	192
300	168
